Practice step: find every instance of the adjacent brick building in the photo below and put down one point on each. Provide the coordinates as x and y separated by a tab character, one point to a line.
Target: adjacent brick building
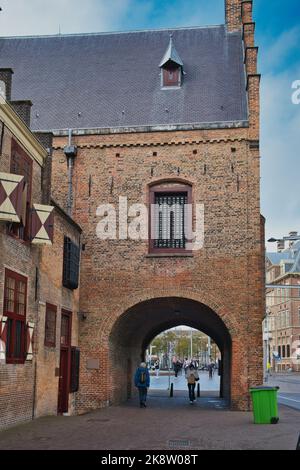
156	118
32	231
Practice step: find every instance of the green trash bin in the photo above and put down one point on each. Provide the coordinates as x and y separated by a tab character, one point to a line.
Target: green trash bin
265	406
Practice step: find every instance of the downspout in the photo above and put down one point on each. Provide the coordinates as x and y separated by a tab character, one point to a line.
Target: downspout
70	152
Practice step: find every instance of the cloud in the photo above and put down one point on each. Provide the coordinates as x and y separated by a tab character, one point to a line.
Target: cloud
170	13
282	49
38	17
31	17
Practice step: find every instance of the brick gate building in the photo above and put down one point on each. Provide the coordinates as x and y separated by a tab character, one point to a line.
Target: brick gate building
156	116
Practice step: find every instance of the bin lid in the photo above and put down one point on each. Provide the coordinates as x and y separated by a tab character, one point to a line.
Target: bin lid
258	389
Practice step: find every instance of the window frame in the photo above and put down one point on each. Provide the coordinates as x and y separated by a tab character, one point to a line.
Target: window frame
168	82
167	187
14	317
53	309
69	314
17	164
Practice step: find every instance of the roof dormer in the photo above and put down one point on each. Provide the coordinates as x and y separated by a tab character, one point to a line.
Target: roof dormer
171	67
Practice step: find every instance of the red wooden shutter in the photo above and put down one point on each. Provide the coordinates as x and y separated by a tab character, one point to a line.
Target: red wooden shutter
75	364
3	337
42	222
11	197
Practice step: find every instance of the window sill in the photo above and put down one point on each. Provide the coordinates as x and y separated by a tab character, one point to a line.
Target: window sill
19	362
169	255
50	346
18	239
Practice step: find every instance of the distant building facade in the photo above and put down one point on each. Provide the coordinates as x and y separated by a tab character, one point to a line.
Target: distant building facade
282	323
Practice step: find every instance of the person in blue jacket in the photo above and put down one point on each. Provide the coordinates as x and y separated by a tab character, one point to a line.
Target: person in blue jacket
142	382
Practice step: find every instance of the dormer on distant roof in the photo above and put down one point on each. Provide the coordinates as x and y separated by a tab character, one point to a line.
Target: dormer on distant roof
171	67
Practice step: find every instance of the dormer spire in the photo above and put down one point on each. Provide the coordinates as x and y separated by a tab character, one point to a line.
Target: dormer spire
171	67
171	54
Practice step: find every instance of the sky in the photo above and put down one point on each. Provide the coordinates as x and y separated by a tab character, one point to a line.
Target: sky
278	38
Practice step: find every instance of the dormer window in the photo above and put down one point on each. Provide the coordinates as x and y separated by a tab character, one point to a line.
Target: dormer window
171	75
171	67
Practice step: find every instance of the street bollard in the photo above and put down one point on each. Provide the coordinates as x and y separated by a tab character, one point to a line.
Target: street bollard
198	390
298	445
171	390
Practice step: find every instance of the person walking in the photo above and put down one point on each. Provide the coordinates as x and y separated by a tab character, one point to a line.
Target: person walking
142	382
156	366
192	376
177	367
185	363
210	370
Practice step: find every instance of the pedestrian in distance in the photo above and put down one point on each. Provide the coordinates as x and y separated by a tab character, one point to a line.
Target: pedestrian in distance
186	363
210	370
156	366
177	367
142	382
192	376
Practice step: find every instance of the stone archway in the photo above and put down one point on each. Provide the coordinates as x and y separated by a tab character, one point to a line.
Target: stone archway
138	325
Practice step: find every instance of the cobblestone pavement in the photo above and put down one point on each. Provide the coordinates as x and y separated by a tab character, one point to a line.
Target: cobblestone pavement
165	422
162	382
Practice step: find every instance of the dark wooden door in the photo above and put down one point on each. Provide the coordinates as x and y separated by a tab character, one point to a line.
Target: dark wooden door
63	386
65	362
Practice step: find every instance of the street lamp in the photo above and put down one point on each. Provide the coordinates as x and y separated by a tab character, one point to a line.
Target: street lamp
170	350
267	342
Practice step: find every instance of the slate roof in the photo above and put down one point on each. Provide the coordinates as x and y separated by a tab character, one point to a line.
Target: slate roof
276	258
291	255
113	79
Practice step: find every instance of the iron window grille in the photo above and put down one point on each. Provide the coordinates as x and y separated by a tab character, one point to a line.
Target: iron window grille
169	220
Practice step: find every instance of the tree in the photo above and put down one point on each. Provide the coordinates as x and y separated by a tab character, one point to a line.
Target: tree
181	339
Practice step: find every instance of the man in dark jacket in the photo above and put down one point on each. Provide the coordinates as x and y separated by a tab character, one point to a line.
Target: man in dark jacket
142	382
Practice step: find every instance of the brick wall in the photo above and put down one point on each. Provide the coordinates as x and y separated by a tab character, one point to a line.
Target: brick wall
23	110
226	275
52	292
233	15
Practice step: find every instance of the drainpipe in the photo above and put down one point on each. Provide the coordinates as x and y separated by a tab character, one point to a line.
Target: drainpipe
70	152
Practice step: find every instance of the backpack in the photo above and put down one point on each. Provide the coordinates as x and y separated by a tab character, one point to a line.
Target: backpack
191	379
143	377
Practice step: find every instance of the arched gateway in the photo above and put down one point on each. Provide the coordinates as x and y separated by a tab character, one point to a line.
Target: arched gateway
114	340
140	324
